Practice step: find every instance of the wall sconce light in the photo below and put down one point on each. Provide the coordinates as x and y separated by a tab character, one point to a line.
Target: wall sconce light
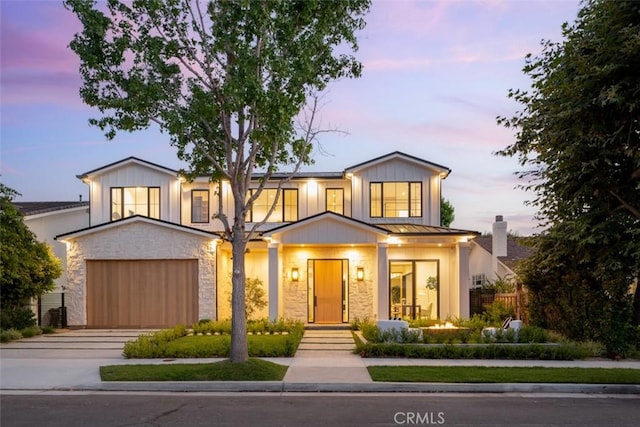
360	274
295	275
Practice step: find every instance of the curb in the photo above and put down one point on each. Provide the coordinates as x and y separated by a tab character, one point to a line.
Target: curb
381	387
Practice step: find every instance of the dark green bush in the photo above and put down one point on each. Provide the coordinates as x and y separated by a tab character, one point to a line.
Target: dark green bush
532	334
17	318
474	351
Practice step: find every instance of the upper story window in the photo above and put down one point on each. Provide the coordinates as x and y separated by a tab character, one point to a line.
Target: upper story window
129	201
286	209
199	206
335	200
395	199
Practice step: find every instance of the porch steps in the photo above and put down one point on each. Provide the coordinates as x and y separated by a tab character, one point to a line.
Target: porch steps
321	341
327	327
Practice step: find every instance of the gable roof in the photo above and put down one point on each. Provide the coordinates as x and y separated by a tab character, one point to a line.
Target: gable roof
401	155
123	162
385	229
516	252
131	220
37	208
323	215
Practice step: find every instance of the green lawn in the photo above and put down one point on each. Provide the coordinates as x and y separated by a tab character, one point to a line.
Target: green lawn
253	370
474	374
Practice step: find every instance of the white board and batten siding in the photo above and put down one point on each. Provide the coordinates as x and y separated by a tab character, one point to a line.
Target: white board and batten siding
133	175
398	170
329	231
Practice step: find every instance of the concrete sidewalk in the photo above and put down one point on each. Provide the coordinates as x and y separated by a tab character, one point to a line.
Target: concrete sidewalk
324	362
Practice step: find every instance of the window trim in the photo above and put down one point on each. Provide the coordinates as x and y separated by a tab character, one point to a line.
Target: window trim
281	202
326	199
121	213
409	201
208	213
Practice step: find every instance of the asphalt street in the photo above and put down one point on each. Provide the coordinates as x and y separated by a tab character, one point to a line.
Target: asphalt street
315	409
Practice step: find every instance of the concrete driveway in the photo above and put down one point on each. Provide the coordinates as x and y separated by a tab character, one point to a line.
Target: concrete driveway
62	360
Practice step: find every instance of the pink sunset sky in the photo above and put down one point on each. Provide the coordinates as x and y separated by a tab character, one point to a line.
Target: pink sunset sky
436	75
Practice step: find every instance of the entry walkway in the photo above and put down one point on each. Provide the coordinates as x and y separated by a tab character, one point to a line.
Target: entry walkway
326	356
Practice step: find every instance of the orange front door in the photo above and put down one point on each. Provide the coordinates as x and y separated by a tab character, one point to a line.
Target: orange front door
328	290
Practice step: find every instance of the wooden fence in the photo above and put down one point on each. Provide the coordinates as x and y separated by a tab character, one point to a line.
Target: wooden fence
479	300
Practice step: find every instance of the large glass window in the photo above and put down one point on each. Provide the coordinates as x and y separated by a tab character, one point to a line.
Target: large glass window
414	289
129	201
286	209
395	199
335	200
199	206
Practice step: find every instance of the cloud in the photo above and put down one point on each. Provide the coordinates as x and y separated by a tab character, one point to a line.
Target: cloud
37	66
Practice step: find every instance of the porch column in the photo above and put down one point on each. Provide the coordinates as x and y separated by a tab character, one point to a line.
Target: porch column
383	280
464	279
273	281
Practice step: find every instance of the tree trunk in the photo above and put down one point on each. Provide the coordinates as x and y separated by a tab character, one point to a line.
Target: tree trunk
239	348
636	305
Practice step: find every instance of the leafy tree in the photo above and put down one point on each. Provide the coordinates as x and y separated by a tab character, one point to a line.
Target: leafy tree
227	80
28	267
255	296
447	213
578	137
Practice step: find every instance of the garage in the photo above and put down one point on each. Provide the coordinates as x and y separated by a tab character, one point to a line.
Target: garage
141	293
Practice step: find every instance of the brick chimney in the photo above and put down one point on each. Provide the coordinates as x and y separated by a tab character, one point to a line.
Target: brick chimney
498	242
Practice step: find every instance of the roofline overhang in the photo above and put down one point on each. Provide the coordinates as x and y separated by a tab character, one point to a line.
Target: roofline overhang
442	170
84	177
55	212
130	220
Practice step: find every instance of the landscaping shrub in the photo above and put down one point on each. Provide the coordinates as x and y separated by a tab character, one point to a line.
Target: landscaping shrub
31	331
17	318
448	336
10	335
213	339
48	330
474	351
496	312
532	334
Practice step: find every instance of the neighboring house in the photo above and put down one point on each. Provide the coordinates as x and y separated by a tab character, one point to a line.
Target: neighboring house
495	256
48	219
361	243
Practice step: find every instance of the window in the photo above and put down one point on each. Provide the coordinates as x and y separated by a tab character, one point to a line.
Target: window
395	199
335	200
286	209
199	206
414	289
478	280
129	201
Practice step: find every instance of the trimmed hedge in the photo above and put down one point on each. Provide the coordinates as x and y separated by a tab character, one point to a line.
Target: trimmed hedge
212	339
473	351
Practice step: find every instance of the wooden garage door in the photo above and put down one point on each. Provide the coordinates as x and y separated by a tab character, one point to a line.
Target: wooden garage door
141	293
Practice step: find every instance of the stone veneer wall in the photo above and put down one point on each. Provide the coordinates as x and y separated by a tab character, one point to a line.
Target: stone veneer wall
138	240
361	294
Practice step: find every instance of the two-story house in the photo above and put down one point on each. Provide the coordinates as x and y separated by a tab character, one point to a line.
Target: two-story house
361	243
